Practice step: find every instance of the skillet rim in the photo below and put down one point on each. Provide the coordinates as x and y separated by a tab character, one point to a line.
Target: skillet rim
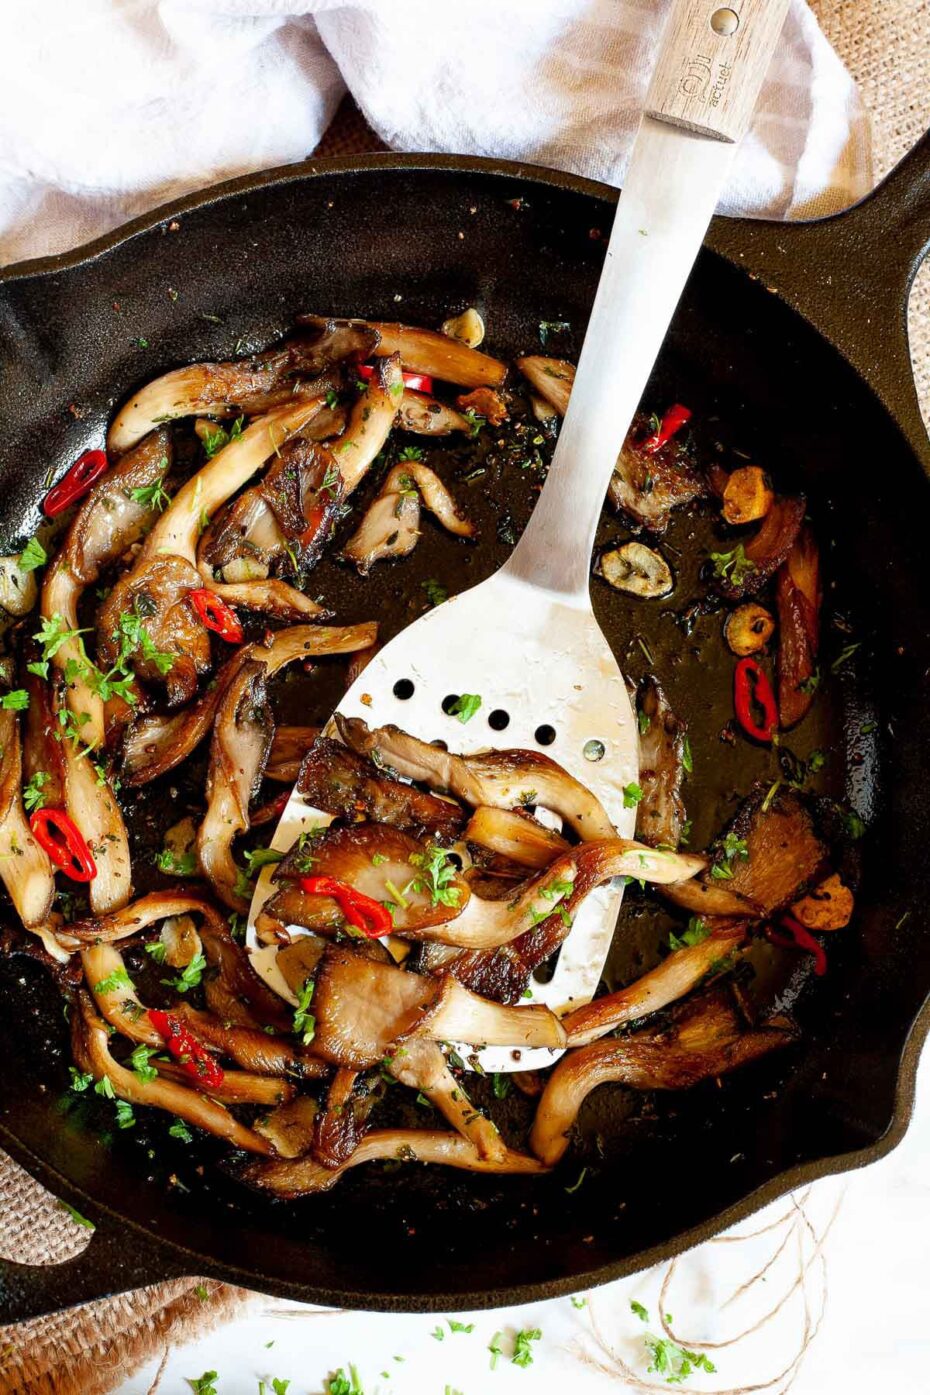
158	1258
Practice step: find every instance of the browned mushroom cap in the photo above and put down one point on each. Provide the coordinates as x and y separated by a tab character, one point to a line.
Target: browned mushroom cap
304	1175
363	1008
428	351
421	1065
782	856
247	385
336	780
236	1087
660	813
90	1045
290	1128
672	979
391	525
501	779
427	416
288	748
241	741
648	485
706	1039
516	835
160	591
381	862
158	742
233	990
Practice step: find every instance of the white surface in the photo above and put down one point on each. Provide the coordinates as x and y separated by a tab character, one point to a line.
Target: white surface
110	107
874	1336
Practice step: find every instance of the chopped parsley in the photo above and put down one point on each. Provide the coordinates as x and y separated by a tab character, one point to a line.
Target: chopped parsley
494	1347
810	685
140	1060
341	1384
412	453
641	1312
522	1350
304	1020
547	327
125	1118
734	566
152	496
118	979
435	593
575	1185
854	825
842	657
214	441
696	933
501	1085
80	1080
176	865
76	1216
180	1130
190	975
632	794
578	1302
438	875
644	721
203	1385
157	949
687	760
33	798
32	556
438	1335
816	761
460	1326
733	847
261	857
673	1362
15	701
465	707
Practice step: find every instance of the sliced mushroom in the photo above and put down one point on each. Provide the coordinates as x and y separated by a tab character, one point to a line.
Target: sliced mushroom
427	416
551	377
370	424
237	1087
421	1065
515	835
748	628
290	1127
468	328
160	592
637	570
247	385
147	910
485	403
288	749
391	525
677	975
18	587
158	742
90	1045
660	814
747	495
439	355
828	906
340	782
24	866
798	597
743	575
649	483
233	990
704	1041
500	779
305	1176
241	741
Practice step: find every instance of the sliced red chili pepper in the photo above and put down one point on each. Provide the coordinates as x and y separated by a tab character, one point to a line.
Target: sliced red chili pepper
798	937
217	616
194	1058
59	835
671	423
85	471
417	382
751	689
364	912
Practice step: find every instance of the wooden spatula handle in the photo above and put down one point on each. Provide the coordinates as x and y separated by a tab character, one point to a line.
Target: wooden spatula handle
712	60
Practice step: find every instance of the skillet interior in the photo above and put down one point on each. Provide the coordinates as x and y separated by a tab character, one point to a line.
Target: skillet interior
660	1175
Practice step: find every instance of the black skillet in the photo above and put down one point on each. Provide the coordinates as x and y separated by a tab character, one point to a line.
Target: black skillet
795	339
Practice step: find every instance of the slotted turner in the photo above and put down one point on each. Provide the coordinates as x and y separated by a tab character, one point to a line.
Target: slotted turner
526	640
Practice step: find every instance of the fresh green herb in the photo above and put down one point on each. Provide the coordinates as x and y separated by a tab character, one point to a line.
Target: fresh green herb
494	1347
460	1326
203	1385
632	794
32	556
641	1312
810	685
733	566
118	979
438	875
696	933
378	858
842	657
644	721
474	421
140	1059
854	825
157	949
465	707
33	798
125	1118
673	1362
152	496
770	795
104	1088
438	1334
180	1130
906	916
501	1085
190	975
261	857
215	440
816	761
304	1020
15	701
341	1384
332	399
522	1351
578	1302
435	593
51	635
237	925
575	1185
80	1080
201	1291
143	343
687	760
176	865
76	1216
412	453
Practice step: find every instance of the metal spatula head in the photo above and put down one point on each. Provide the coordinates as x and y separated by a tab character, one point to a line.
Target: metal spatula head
548	683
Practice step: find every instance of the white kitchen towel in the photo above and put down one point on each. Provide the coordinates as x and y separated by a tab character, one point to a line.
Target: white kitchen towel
110	107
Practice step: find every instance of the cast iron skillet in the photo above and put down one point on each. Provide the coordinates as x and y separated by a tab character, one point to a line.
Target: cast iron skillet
796	337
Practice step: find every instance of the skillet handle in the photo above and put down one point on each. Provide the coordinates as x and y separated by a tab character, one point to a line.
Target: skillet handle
850	275
117	1259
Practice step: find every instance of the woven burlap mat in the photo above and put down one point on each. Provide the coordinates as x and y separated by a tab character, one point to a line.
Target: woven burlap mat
92	1349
